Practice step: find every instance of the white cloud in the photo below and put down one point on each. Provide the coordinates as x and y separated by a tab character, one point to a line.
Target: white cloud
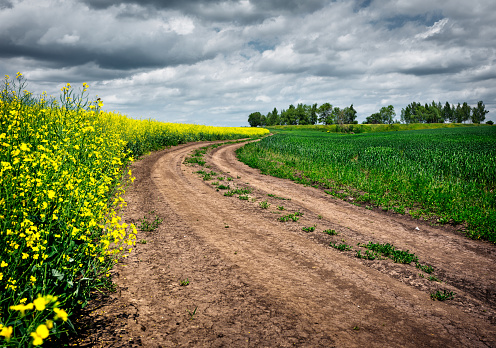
69	39
182	25
433	30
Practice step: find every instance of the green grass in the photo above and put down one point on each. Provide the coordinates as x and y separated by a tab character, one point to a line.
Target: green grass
341	247
149	223
447	175
308	229
442	296
368	128
293	217
264	204
277	197
390	251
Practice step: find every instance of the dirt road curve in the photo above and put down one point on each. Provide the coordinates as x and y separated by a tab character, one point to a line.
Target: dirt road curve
257	282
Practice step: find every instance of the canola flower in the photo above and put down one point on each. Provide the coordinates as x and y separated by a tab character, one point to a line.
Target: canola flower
62	177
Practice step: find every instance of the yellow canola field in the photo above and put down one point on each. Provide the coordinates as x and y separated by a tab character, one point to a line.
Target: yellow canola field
62	177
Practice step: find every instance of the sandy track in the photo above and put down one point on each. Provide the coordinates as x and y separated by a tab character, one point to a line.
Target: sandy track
258	282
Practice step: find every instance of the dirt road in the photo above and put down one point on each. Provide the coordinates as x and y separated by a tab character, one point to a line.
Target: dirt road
254	281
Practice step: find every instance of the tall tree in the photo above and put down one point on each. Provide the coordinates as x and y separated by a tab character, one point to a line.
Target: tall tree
406	114
338	115
301	114
325	114
412	113
350	114
313	114
466	111
387	114
289	116
263	120
458	114
273	118
447	113
479	113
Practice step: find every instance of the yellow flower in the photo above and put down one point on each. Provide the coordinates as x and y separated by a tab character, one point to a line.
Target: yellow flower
41	333
60	314
4	264
40	303
22	308
6	331
51	194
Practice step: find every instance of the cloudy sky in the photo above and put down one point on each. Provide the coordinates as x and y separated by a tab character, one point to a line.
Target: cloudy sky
216	61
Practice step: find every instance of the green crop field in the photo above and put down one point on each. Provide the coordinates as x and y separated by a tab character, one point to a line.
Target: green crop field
445	175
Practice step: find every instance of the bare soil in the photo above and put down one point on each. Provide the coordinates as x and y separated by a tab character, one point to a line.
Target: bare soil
257	282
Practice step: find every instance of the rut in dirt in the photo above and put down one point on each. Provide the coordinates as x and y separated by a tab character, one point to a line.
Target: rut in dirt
254	281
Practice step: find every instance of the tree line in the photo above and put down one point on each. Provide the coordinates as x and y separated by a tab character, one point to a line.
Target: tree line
328	114
304	114
437	113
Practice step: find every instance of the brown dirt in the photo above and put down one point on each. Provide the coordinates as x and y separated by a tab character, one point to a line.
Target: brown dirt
258	282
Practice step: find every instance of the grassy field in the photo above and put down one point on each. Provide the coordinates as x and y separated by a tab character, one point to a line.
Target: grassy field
370	128
62	177
445	174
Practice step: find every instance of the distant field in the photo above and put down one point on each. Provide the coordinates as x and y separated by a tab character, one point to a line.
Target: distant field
444	174
371	128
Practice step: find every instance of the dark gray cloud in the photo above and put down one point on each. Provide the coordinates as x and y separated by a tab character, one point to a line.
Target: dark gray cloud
426	19
432	69
216	61
192	6
168	4
239	12
148	54
5	4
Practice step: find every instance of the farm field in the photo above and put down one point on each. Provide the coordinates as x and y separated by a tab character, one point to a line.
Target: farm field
228	256
446	176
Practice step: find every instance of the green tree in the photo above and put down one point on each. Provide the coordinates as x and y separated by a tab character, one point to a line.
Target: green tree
387	114
263	120
313	114
325	114
412	113
374	119
273	118
338	115
466	110
302	116
458	114
350	115
255	119
447	113
289	116
479	113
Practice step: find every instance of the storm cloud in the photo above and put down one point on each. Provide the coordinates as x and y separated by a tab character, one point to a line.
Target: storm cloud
214	61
